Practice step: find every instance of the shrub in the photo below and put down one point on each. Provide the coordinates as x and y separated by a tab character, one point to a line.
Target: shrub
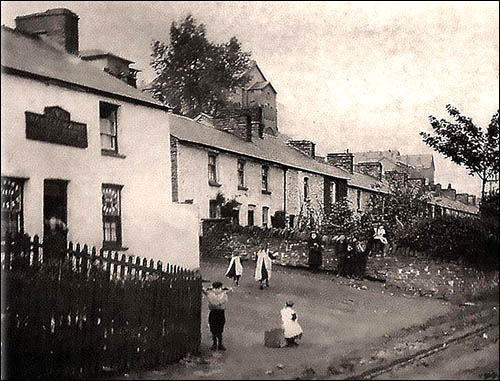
454	238
279	219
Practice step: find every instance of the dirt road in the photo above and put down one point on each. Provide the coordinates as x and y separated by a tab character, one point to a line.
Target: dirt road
337	318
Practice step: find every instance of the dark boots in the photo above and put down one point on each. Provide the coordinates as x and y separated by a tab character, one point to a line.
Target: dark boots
218	346
221	347
291	342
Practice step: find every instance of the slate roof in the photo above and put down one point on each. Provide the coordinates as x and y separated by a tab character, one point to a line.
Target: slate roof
453	204
360	180
33	56
376	156
261	85
424	161
267	149
94	53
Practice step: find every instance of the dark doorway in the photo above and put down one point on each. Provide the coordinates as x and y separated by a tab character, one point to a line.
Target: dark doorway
55	201
250	218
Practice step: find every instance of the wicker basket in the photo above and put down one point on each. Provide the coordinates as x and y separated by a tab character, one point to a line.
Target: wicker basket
274	338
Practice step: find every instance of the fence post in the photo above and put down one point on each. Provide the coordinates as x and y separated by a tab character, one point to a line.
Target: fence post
36	250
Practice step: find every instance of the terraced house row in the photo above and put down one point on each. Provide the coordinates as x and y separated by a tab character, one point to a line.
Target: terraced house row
82	143
249	162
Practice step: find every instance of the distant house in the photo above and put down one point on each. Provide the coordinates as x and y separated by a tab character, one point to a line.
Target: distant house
85	146
259	92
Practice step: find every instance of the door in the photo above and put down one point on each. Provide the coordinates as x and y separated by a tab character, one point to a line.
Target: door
54	201
250	218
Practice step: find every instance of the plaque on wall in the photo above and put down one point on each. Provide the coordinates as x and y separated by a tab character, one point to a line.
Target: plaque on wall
55	126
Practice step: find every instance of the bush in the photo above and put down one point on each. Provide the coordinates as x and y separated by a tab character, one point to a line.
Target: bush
279	219
447	237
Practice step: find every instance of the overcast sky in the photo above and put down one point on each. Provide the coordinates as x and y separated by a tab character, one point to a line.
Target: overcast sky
362	76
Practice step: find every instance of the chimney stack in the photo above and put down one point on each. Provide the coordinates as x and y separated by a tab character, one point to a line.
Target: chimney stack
59	25
243	123
344	160
463	198
471	199
449	192
305	146
370	168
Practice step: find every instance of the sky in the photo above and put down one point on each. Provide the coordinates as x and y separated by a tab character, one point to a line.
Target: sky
349	75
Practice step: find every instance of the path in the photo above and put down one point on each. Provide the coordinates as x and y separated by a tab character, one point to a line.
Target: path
335	317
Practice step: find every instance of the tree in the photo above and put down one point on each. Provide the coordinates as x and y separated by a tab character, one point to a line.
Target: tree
405	205
466	144
193	74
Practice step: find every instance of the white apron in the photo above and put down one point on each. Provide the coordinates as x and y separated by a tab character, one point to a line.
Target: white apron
237	266
263	259
380	235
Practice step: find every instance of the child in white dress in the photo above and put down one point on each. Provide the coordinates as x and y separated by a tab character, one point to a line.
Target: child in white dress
291	327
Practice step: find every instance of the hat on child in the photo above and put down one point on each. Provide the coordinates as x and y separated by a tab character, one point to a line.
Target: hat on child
289	303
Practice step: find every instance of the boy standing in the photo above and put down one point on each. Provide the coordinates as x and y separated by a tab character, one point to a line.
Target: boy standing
217	300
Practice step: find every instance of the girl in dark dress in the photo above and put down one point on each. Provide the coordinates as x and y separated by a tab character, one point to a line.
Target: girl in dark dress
235	269
315	251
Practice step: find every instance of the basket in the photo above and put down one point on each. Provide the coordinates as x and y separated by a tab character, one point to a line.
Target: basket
274	338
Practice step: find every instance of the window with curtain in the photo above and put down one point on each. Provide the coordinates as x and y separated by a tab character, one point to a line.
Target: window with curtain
108	120
212	168
111	216
265	179
241	173
12	205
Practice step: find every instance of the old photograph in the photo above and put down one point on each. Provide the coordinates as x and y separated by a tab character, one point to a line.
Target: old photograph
217	190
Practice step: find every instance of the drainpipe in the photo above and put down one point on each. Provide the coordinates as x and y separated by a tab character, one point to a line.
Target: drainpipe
284	189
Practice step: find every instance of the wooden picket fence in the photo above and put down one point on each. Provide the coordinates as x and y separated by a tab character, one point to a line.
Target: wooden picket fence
94	311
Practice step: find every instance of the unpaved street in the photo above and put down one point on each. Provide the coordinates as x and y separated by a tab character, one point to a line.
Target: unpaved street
342	321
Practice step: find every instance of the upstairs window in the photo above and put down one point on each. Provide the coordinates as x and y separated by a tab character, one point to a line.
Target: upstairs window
212	168
111	216
108	120
333	192
306	188
358	200
265	183
241	174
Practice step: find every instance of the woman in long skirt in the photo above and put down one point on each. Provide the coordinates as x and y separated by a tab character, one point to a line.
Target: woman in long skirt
235	269
263	269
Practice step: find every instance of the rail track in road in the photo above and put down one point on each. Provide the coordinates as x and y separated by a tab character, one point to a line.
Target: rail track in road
408	360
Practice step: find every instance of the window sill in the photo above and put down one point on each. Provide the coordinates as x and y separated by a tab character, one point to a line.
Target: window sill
106	152
214	184
113	247
266	192
242	188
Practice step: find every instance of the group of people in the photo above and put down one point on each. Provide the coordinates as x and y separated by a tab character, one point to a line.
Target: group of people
263	267
217	299
218	295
